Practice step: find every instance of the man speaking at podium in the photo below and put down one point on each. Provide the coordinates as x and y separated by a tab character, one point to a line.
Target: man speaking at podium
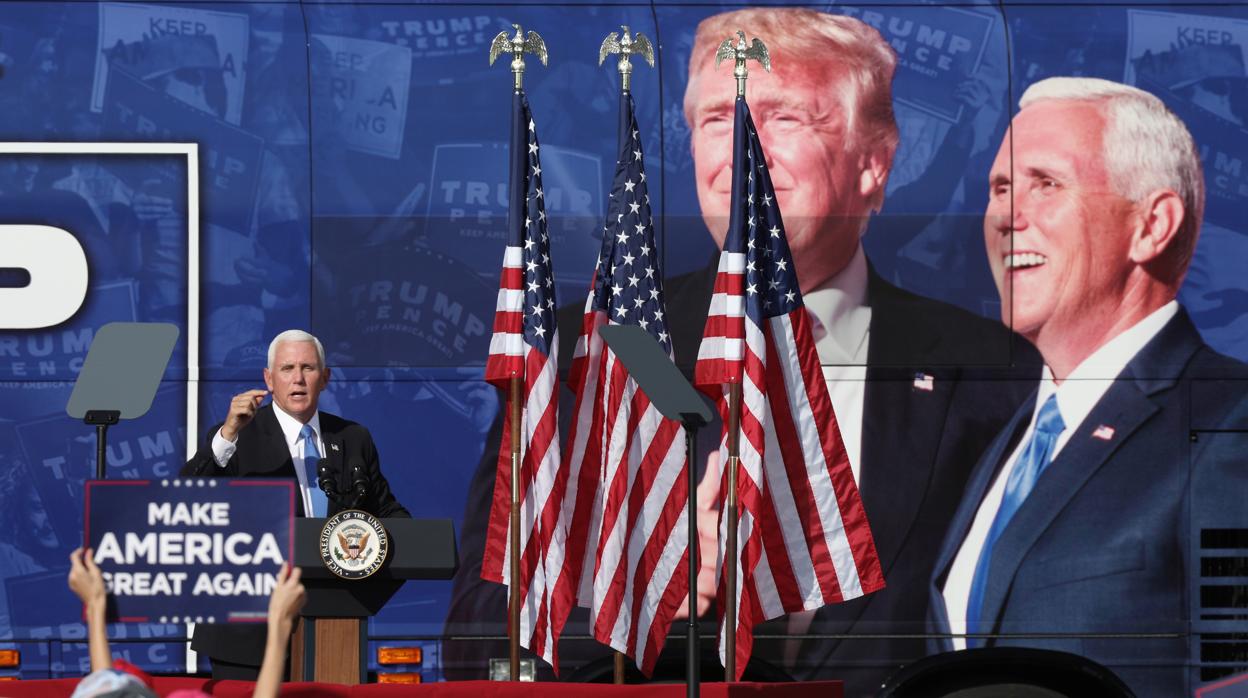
288	438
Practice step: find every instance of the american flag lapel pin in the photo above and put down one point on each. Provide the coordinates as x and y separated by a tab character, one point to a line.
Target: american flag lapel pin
924	382
1103	432
333	446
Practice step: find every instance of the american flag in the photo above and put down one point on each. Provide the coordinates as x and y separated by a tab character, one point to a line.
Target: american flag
802	537
524	345
625	504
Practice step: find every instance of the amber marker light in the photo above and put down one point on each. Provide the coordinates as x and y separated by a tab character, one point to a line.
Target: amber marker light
399	655
403	678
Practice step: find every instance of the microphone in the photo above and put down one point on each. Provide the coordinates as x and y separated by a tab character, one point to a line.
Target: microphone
325	480
359	485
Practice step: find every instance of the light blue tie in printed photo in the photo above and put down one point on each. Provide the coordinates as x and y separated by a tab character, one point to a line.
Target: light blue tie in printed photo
1033	460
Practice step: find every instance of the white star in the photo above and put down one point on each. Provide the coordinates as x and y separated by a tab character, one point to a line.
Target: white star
641	228
751	289
628	186
658	315
644	323
532	126
628	258
654	294
772	285
545	258
541	214
750	199
645	250
775	231
537	310
527	221
533	286
649	272
528	242
550	281
638	302
751	221
643	176
750	265
619	217
531	265
636	155
622	237
533	148
662	336
634	133
621	311
537	170
539	192
766	199
550	302
789	296
749	243
633	207
539	331
617	289
632	280
782	264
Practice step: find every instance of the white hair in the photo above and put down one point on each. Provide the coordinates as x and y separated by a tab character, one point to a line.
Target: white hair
295	336
1145	147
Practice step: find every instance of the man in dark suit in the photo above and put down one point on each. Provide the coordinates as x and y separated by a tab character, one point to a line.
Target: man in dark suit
912	380
326	455
1078	523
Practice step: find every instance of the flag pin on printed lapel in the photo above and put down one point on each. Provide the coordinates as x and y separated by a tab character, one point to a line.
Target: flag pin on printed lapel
1103	432
924	382
334	446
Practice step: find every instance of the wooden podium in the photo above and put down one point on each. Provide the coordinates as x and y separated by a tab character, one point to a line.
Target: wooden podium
331	640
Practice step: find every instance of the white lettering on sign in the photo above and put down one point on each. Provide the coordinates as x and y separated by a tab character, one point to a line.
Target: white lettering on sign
188	548
57	266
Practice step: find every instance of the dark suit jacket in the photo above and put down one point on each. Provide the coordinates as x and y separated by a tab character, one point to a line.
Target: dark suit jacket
262	452
918	448
1108	540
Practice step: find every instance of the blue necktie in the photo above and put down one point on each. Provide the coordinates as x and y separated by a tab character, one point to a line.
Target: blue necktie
320	503
1031	462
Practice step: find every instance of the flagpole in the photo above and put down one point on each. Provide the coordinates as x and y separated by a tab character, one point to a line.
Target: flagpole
625	45
730	545
739	52
517	45
513	607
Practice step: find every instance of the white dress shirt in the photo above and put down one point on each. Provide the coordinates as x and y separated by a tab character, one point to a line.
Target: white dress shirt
1076	396
842	323
223	450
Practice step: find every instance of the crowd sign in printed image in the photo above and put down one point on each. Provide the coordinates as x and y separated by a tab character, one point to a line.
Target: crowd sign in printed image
368	87
157	41
1180	49
467	213
937	47
190	549
1195	63
229	157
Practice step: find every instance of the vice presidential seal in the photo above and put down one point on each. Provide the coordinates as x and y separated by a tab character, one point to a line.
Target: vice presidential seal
354	544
